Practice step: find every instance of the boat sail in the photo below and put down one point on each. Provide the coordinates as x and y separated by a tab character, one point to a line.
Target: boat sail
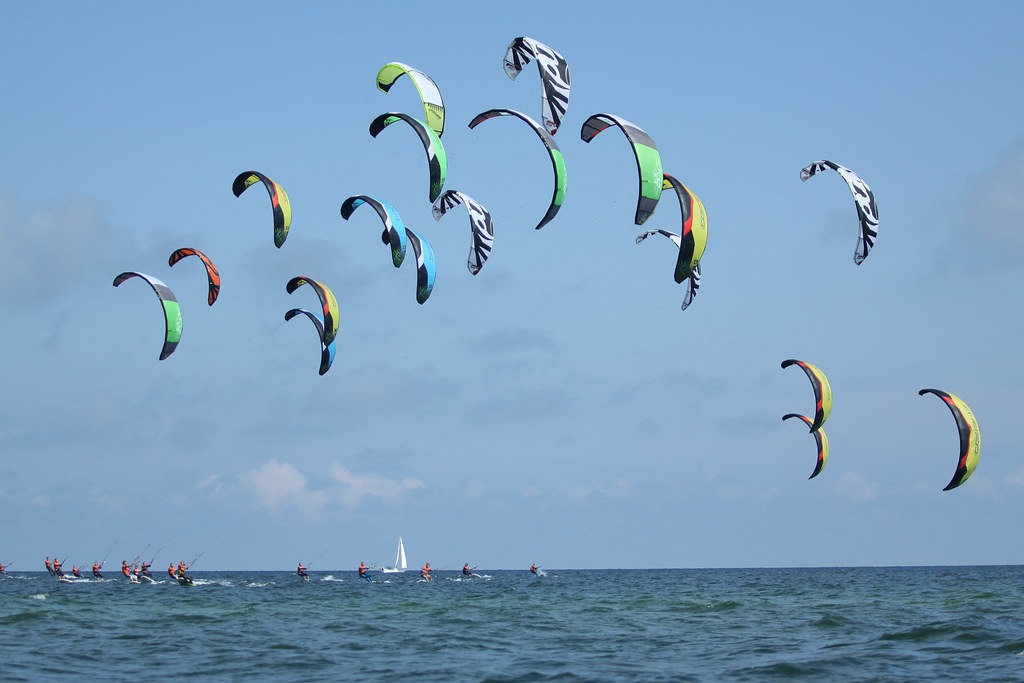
400	563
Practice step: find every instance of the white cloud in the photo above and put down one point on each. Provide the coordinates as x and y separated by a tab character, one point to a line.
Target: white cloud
278	486
354	487
212	483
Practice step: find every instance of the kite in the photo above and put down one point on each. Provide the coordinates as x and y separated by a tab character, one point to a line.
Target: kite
394	227
430	95
212	275
970	436
819	438
557	160
554	77
326	351
480	225
278	200
327	301
648	160
867	209
694	275
822	391
436	157
172	312
694	238
425	267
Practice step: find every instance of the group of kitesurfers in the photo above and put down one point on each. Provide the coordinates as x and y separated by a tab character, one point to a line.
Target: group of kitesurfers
134	572
137	570
425	571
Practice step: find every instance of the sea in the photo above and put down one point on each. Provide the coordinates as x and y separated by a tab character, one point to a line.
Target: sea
820	624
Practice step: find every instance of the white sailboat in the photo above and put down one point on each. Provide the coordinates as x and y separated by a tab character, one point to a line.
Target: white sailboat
400	563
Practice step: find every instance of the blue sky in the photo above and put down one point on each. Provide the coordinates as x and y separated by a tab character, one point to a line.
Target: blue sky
558	407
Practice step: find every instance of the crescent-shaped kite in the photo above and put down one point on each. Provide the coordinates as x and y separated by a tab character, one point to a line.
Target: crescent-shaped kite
425	267
822	391
326	351
212	275
327	301
481	226
867	209
557	160
279	201
694	236
172	311
437	160
970	436
819	438
648	159
394	227
554	76
430	94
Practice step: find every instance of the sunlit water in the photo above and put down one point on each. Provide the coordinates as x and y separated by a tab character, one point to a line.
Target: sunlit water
952	623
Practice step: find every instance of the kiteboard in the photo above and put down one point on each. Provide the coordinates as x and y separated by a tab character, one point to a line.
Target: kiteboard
185	581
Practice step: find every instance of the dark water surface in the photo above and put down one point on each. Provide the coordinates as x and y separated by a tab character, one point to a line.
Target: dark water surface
850	624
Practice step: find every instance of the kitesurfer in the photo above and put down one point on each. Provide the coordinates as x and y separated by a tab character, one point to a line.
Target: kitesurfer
125	569
57	567
49	567
75	571
301	571
364	573
144	570
96	570
3	568
466	571
425	572
182	568
170	570
534	568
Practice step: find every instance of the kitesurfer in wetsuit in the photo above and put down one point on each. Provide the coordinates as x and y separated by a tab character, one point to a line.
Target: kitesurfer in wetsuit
181	575
96	570
425	572
533	569
125	569
170	570
364	573
49	567
466	571
145	569
75	572
301	571
3	569
57	567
